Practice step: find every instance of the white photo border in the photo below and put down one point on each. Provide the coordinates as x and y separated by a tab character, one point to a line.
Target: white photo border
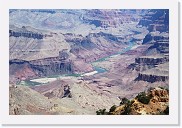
171	119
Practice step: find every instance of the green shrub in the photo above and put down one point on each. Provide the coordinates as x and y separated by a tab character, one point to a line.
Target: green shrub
144	98
127	108
124	101
112	108
101	112
166	111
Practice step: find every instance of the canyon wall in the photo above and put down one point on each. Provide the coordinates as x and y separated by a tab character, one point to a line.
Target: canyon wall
151	60
26	34
151	78
41	67
156	20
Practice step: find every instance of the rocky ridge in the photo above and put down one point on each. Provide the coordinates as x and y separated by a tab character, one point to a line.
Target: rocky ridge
152	102
42	67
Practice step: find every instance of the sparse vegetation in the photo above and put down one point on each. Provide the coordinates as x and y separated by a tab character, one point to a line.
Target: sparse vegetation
127	108
112	108
124	101
104	112
144	98
134	106
166	111
101	112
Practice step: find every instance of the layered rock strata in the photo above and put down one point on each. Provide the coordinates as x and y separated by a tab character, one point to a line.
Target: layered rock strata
156	20
158	73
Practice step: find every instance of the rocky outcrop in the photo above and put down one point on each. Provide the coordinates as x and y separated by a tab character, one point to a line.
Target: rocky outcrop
24	32
89	42
148	62
153	37
21	70
151	68
67	92
158	73
151	78
153	102
42	67
94	45
156	20
58	88
39	68
52	67
151	60
161	95
161	47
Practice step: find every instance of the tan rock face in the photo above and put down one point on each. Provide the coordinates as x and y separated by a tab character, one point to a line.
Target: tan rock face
158	102
160	95
157	105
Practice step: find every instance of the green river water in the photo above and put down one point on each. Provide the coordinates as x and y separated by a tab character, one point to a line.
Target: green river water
98	69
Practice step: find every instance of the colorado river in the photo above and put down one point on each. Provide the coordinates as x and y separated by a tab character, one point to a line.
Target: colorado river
100	69
97	70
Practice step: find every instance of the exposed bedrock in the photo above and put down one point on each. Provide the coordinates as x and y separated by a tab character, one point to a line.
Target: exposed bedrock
151	78
27	34
42	67
53	67
156	20
155	37
151	60
90	42
157	73
148	62
32	69
95	45
161	47
57	88
22	69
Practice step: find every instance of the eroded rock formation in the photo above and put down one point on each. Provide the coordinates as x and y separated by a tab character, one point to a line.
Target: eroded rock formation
152	102
108	18
156	20
25	32
151	78
155	37
160	47
151	60
42	67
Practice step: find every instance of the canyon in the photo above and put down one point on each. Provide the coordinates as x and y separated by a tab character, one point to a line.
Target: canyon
76	62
